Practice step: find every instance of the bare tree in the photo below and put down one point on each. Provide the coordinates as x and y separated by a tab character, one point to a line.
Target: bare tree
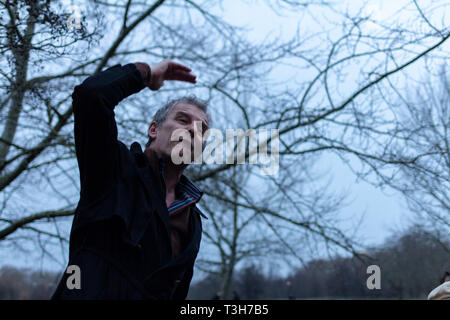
254	219
360	125
425	127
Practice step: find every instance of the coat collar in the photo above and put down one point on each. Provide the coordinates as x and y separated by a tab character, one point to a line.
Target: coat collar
156	164
149	168
151	184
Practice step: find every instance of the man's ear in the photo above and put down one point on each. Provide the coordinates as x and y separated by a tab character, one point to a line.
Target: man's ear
152	132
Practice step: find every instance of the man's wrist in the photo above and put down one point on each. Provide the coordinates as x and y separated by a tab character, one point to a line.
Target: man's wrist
145	71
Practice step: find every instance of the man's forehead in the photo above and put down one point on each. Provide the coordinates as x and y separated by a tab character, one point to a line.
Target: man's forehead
189	109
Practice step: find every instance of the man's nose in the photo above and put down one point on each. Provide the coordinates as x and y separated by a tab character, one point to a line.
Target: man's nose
191	129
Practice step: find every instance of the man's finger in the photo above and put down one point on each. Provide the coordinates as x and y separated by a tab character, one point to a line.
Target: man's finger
177	66
182	76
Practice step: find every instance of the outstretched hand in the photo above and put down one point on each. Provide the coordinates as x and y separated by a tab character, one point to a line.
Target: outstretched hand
168	70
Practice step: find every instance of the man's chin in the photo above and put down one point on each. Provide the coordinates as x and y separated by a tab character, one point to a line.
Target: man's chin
192	159
178	158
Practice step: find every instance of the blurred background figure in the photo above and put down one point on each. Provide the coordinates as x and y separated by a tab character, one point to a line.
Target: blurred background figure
441	292
217	296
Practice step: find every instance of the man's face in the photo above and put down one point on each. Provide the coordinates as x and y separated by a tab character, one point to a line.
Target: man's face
182	116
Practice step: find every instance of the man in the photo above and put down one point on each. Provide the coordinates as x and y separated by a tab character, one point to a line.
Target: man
136	230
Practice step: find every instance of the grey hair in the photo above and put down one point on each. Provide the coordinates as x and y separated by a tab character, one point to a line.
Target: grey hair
161	115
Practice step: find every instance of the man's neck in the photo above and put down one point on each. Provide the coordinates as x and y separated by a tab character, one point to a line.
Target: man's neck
172	172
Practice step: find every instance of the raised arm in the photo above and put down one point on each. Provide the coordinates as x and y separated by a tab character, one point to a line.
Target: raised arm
94	101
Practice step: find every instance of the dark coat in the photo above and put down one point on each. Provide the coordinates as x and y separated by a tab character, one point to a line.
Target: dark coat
120	236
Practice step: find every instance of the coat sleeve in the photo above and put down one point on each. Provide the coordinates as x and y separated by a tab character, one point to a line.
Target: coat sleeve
96	144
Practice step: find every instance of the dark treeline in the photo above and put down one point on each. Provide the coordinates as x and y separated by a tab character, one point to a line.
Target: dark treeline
411	265
26	284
